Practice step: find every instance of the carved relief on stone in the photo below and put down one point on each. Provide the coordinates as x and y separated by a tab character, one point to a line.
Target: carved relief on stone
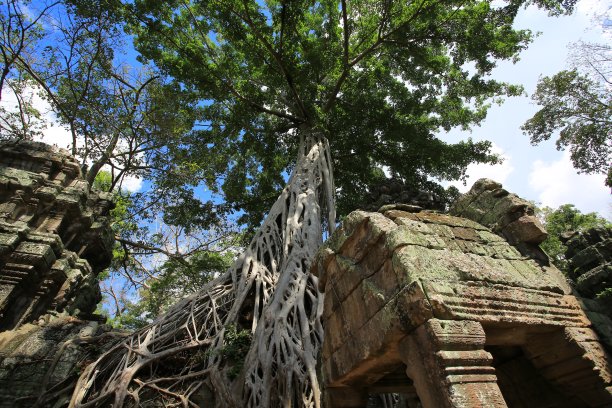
48	219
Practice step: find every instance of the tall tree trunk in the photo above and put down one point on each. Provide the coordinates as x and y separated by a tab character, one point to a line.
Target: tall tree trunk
268	290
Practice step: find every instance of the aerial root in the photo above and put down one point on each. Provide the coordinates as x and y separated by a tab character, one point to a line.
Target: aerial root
182	350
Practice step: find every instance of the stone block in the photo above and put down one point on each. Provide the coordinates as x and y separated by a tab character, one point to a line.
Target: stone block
346	277
472	267
592	282
457	286
26	355
377	255
442	231
385	280
602	324
489	237
574	359
585	260
526	229
9	241
502	304
413	262
412	307
402	236
356	307
449	366
337	325
37	254
452	244
449	220
412	224
43	190
473	248
504	252
53	240
364	229
497	208
369	352
467	234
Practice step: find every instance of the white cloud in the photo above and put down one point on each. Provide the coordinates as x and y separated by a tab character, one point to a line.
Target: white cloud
557	183
599	12
54	133
497	172
132	184
57	135
593	7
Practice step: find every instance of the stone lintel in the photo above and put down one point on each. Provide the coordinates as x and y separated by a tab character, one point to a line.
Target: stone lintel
503	304
360	350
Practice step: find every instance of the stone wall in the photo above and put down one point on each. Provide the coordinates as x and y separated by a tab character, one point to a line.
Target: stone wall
504	213
460	310
54	235
589	253
394	191
455	311
40	363
55	238
589	256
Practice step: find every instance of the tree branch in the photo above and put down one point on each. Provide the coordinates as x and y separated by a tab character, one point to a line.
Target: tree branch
140	245
380	40
346	34
106	155
276	56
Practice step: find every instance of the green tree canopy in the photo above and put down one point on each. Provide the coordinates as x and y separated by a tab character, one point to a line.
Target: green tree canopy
174	280
577	105
122	116
378	78
566	218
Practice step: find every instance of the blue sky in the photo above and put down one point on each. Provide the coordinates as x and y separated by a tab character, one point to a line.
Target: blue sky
541	173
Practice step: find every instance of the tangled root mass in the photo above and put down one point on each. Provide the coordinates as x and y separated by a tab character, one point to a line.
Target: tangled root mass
182	359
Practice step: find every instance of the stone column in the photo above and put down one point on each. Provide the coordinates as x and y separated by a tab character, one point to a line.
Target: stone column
449	366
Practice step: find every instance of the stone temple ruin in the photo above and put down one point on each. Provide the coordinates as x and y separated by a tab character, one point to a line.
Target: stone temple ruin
447	310
54	235
54	240
448	313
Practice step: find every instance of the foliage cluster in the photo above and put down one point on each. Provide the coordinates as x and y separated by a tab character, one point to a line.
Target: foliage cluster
563	220
577	106
235	349
168	283
121	117
379	79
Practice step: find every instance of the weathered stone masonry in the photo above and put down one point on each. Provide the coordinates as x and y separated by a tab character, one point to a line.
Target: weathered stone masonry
590	266
54	235
54	240
450	314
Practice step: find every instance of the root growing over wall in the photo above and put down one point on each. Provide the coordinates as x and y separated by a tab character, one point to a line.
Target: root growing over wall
185	354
